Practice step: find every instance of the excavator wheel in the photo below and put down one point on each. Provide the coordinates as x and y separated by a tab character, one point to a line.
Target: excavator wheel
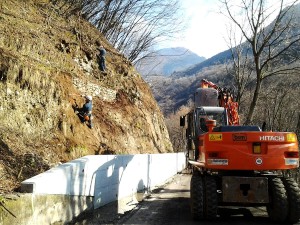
211	197
197	200
293	193
278	207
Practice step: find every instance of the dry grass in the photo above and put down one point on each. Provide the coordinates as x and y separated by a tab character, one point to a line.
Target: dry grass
38	49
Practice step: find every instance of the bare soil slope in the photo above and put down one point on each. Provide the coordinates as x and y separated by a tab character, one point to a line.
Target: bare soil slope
47	60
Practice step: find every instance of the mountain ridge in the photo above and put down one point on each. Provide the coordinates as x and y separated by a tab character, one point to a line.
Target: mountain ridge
167	61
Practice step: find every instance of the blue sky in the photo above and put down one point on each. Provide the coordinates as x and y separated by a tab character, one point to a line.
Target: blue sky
206	33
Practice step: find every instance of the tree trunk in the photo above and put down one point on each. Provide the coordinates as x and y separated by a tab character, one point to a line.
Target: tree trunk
253	102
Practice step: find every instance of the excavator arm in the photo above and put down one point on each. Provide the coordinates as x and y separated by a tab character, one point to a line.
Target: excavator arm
226	100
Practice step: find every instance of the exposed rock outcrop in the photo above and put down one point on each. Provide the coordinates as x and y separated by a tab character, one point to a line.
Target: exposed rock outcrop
46	62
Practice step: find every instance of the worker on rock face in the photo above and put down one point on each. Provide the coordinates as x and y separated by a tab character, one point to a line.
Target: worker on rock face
85	113
101	58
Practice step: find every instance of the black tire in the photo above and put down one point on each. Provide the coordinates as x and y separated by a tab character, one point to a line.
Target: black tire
211	197
278	207
293	193
196	197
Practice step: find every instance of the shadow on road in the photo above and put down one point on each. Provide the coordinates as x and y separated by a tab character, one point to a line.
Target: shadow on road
238	215
170	204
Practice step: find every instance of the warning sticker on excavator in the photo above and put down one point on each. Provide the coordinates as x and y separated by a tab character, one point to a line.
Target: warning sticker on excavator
291	137
215	137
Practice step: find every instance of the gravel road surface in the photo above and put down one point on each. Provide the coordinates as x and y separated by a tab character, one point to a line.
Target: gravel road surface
168	205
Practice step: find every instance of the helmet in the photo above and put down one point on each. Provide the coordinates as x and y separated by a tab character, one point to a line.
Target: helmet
89	97
86	118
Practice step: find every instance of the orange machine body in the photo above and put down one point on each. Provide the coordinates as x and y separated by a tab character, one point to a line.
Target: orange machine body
238	165
248	150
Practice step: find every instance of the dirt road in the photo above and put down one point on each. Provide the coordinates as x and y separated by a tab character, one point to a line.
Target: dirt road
169	205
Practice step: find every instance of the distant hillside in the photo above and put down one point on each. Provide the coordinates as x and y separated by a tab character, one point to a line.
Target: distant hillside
174	91
167	61
218	59
224	56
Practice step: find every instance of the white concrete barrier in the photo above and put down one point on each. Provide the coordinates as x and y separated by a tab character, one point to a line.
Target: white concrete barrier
107	178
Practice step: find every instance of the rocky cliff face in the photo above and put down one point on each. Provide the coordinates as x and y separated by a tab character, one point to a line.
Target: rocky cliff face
47	60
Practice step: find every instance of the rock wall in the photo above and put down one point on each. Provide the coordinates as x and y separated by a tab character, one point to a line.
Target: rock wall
47	62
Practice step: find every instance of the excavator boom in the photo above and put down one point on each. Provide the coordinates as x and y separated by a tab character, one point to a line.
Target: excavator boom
226	100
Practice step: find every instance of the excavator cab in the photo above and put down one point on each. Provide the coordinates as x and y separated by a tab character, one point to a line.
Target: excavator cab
196	125
210	113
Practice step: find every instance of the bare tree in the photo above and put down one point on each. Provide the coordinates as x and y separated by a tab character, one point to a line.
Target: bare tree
134	26
239	65
131	26
278	105
271	46
177	133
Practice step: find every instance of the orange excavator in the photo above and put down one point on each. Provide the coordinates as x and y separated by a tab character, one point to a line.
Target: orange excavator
235	165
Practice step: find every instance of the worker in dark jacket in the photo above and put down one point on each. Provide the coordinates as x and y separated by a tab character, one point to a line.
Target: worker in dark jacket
101	58
85	113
